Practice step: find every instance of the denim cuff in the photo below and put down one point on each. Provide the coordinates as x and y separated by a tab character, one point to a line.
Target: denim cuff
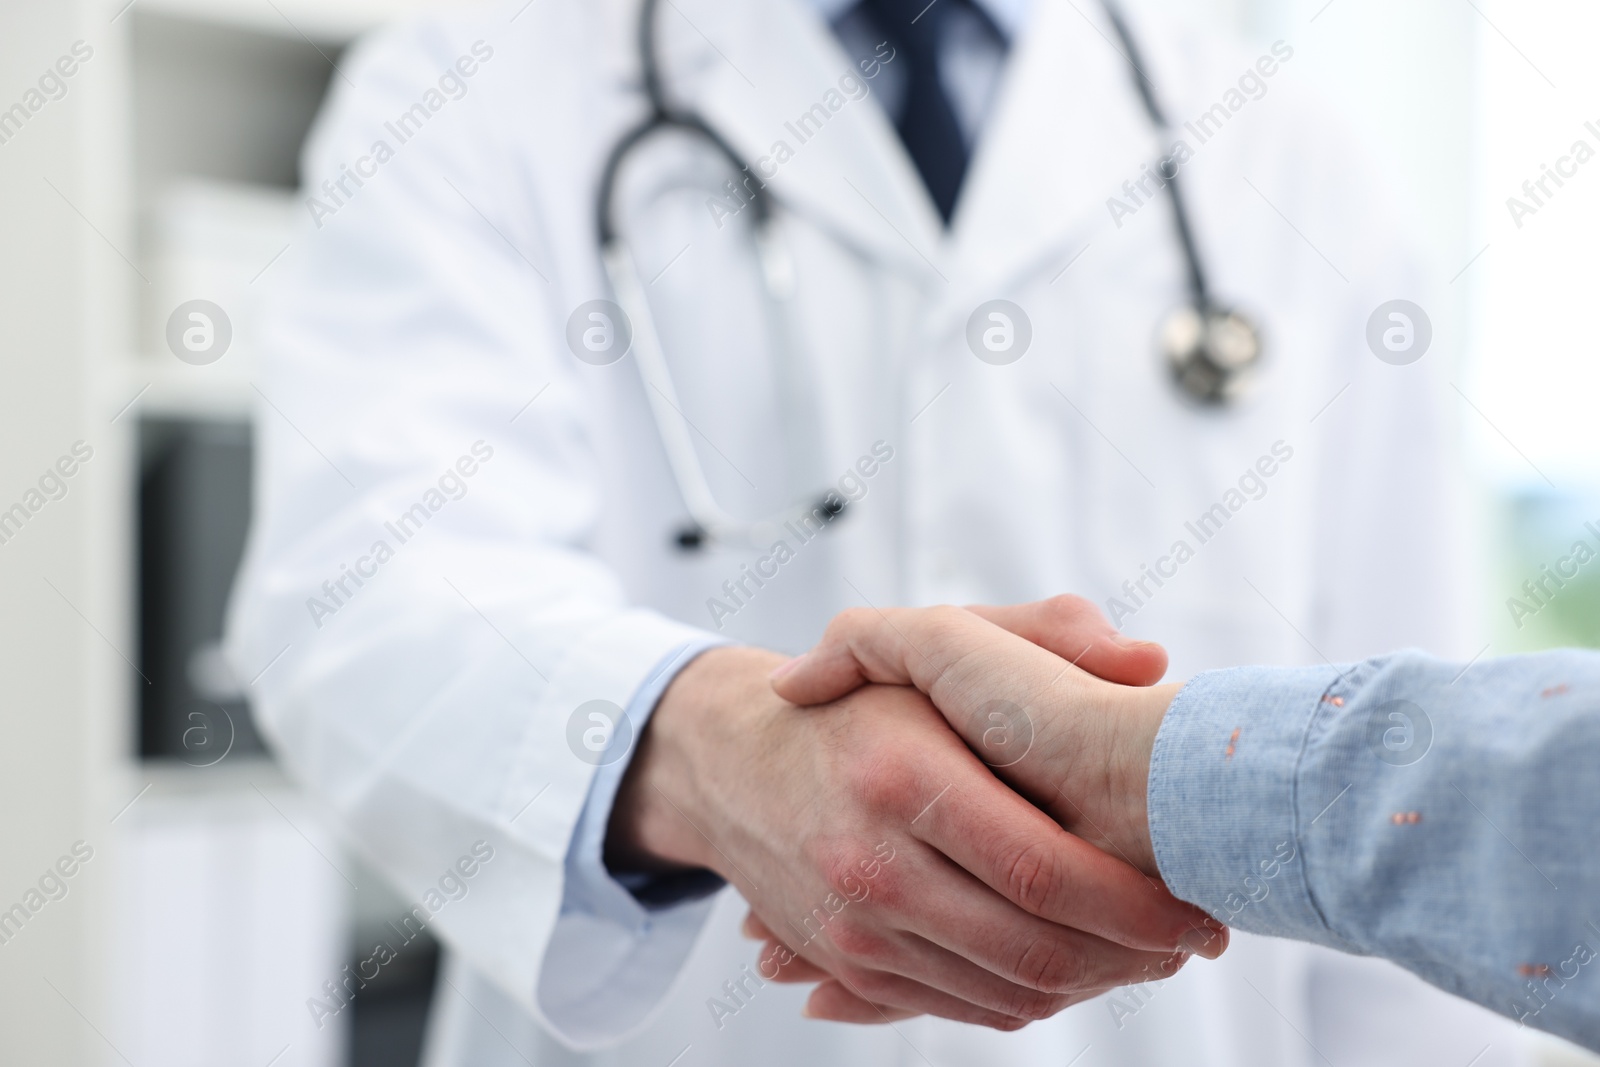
1226	814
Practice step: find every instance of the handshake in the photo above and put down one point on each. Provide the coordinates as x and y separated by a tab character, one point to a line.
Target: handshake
935	811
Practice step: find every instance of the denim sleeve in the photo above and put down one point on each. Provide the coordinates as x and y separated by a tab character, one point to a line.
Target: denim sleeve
627	896
1439	816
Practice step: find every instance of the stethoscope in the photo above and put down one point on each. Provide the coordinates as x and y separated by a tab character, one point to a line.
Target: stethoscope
1210	350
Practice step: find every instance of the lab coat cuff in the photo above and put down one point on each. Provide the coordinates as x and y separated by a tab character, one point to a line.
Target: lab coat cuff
609	961
1226	814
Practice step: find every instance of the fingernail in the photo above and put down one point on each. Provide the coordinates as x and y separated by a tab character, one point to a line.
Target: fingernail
784	668
747	929
1210	942
806	1012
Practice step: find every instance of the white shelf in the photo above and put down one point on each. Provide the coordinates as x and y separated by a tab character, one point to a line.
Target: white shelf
320	20
157	384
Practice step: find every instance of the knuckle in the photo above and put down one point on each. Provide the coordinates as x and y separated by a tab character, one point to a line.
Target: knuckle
1050	965
866	983
1033	876
861	877
885	781
856	942
956	654
890	892
836	862
847	622
1066	608
1031	1005
950	626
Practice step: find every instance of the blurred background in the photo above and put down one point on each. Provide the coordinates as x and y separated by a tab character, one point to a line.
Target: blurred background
213	900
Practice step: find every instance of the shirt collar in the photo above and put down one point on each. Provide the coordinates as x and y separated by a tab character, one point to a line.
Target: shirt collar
1009	15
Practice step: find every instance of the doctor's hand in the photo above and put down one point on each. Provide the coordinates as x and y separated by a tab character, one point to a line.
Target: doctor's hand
1075	744
882	852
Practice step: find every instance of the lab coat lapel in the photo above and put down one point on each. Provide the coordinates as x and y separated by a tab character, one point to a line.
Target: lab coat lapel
1065	133
754	67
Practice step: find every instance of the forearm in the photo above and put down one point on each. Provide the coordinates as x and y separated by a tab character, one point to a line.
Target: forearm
1108	801
1451	840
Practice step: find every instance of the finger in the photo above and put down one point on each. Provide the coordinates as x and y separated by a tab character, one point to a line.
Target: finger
1019	852
901	968
976	660
1071	965
975	937
1037	968
968	941
897	970
1074	629
901	994
779	963
899	646
833	1002
968	977
1034	718
856	1001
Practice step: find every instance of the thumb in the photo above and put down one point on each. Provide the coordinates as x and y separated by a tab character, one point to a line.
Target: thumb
1074	629
913	646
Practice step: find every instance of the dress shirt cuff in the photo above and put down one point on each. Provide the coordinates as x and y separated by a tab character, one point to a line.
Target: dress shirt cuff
1226	815
591	888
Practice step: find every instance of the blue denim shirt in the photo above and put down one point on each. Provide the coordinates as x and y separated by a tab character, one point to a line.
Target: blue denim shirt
1442	817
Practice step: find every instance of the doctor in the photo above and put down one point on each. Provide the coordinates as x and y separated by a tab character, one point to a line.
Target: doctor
494	529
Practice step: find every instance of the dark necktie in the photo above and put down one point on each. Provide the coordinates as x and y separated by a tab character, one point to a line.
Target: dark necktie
927	125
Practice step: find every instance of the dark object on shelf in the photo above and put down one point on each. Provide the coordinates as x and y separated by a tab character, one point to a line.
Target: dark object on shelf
391	1013
194	511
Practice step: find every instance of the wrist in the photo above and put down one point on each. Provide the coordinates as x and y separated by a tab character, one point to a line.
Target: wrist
1094	771
1137	718
663	812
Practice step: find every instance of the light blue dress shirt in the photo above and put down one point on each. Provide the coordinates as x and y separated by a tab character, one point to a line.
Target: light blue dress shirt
589	886
971	57
1442	817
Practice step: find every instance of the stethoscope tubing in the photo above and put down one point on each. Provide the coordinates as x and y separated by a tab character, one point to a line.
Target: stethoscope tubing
1199	291
710	523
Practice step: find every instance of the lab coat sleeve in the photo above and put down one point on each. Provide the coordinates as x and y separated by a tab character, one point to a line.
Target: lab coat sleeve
418	616
1420	810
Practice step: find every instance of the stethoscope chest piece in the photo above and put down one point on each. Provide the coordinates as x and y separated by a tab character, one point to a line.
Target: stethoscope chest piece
1212	353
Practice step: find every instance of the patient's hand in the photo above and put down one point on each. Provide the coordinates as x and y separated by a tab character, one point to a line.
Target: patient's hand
1019	685
1076	745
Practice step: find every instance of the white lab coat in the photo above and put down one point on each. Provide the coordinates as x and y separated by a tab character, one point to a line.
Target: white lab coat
427	312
